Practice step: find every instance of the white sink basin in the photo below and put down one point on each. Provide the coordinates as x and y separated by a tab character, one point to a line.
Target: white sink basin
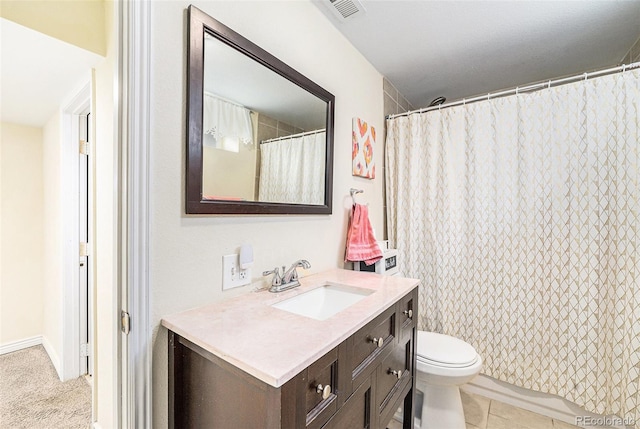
324	301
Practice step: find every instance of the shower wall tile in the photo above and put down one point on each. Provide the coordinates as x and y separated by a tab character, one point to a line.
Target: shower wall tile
283	127
267	120
389	89
269	128
633	55
390	106
266	132
394	101
404	104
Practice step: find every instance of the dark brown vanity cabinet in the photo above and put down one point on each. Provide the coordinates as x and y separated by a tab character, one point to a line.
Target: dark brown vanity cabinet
361	383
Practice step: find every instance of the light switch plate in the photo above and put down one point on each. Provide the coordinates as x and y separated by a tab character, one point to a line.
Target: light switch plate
232	275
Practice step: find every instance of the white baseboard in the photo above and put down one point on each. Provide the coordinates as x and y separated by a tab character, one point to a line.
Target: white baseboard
96	425
55	360
541	403
20	344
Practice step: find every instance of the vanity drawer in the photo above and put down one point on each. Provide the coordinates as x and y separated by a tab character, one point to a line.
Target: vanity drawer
369	344
393	373
407	314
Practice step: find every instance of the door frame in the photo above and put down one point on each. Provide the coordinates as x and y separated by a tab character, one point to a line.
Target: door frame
134	129
85	179
73	108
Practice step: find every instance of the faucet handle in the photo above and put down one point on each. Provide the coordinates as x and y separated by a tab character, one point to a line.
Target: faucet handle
303	263
299	263
277	278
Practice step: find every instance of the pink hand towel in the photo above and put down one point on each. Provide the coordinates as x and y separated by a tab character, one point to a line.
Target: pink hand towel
361	243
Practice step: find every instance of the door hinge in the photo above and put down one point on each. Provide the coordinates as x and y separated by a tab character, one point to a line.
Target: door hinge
84	249
84	350
84	147
125	322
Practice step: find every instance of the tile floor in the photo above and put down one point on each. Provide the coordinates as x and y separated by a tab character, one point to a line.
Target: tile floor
485	413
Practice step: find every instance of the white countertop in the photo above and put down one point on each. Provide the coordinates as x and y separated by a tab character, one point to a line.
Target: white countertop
274	345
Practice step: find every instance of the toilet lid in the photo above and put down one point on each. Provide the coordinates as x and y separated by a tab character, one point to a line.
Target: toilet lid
445	350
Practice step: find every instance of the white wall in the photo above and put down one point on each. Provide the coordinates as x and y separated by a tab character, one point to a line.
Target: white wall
53	244
186	251
80	23
229	174
21	225
105	400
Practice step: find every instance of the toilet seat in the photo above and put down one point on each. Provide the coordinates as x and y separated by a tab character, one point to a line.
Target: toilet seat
446	365
444	351
443	363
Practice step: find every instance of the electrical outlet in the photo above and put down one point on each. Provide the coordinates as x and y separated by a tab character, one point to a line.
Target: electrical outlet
232	275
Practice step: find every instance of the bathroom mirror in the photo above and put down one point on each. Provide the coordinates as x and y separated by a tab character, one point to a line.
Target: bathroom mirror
259	134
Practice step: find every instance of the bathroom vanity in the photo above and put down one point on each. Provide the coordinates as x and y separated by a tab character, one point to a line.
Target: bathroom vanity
265	360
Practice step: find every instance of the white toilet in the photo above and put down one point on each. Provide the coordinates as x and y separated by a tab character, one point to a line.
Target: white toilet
443	364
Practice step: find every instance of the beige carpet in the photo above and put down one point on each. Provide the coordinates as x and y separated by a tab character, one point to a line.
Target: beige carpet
32	395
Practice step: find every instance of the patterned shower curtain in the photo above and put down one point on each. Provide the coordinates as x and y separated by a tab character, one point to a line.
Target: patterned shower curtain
292	169
521	215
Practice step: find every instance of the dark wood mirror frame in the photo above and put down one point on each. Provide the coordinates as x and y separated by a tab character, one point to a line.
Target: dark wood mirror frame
199	23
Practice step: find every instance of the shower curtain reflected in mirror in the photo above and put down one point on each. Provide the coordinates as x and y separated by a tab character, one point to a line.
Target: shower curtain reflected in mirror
292	169
521	215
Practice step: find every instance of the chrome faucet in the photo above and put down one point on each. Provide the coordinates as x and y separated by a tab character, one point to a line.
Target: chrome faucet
291	275
289	278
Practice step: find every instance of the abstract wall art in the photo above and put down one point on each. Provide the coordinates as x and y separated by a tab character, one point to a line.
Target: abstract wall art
363	145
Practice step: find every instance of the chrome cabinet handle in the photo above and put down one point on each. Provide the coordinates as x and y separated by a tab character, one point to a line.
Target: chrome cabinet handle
409	313
397	373
325	391
378	341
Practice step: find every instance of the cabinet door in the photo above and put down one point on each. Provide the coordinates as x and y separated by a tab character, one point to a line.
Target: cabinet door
394	377
313	396
407	314
322	378
357	411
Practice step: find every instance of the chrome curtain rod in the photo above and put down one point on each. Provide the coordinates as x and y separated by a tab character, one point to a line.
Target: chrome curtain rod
307	133
527	88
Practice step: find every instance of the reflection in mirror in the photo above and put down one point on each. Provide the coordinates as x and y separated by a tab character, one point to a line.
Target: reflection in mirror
263	136
292	168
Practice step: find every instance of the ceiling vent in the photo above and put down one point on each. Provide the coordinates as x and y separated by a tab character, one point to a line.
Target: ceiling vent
346	9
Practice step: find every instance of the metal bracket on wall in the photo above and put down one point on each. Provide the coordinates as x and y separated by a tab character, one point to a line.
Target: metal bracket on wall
125	322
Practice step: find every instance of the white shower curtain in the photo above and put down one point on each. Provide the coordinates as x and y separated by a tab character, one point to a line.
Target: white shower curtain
521	215
292	169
